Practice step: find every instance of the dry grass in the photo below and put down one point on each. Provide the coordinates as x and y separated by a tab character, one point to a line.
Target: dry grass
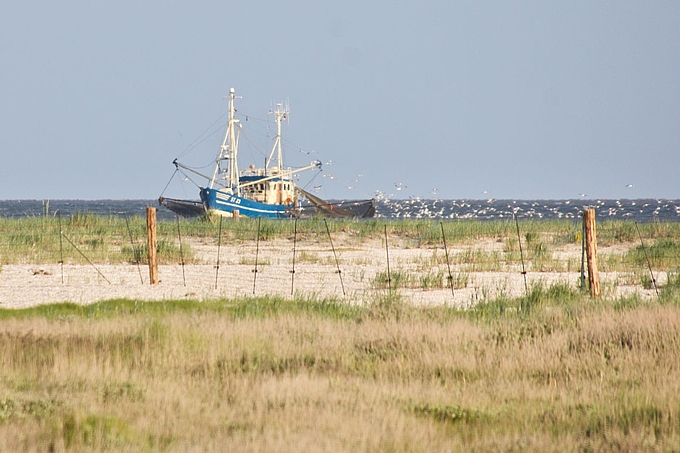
549	372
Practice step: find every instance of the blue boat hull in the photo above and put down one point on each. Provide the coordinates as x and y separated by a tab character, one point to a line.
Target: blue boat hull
225	204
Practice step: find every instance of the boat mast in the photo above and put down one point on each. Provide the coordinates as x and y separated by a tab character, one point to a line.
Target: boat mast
229	147
281	113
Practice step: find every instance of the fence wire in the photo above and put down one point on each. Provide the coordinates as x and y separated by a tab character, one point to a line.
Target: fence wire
340	259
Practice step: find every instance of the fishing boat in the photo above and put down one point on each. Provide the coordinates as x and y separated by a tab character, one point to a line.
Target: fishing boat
268	191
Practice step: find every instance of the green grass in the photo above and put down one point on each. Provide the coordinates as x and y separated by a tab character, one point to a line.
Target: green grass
107	238
662	253
99	238
256	307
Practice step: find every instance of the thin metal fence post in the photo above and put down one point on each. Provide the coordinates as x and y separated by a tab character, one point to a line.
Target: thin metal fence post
181	255
86	258
61	249
219	245
649	264
387	251
292	272
583	252
446	251
521	254
337	264
257	253
134	250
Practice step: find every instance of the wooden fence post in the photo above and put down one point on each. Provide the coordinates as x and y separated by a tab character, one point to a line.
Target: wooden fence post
151	236
591	252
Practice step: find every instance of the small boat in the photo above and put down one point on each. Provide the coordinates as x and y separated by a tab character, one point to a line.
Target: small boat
268	191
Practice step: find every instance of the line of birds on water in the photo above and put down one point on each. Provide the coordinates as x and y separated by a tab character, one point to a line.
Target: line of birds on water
425	212
559	209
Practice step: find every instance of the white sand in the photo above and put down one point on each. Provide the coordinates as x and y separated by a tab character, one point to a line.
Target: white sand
25	285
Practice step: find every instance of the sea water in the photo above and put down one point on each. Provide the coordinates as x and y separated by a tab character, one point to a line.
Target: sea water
640	210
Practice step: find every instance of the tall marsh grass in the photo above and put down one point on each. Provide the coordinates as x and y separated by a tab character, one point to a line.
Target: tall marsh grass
551	371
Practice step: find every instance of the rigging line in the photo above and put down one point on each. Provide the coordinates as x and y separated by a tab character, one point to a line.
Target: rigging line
260	121
262	130
253	144
189	178
169	181
247	117
211	164
189	147
257	130
312	180
219	129
286	144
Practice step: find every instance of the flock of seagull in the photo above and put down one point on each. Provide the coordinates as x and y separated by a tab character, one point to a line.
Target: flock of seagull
489	208
642	210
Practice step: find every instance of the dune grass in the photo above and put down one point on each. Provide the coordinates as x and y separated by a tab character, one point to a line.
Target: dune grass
113	240
550	371
85	236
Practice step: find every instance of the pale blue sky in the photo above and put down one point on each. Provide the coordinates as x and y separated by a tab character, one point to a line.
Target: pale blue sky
528	100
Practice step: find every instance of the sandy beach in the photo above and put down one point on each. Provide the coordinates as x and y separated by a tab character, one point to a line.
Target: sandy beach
316	274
